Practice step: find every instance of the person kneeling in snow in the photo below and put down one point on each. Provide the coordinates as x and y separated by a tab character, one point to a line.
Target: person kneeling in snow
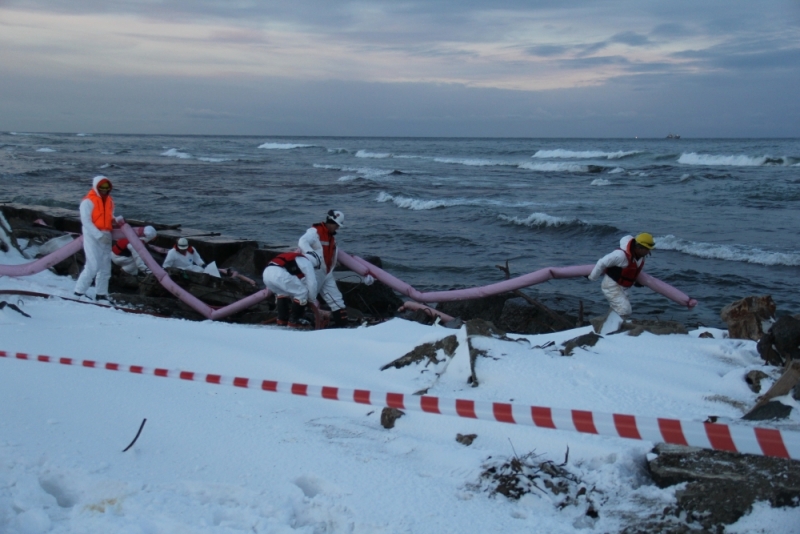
621	267
124	255
182	256
292	276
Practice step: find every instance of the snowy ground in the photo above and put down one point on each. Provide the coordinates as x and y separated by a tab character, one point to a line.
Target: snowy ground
219	459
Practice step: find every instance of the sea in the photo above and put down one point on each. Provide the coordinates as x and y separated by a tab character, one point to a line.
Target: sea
444	213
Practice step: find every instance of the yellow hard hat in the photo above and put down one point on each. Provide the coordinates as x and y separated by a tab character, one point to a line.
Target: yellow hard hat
646	240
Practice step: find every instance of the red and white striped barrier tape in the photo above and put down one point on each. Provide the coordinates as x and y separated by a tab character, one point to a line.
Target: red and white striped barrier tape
717	436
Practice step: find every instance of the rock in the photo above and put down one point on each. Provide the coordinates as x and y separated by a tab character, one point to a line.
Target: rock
427	351
377	300
754	378
586	340
389	416
522	317
772	410
466	439
745	317
721	486
781	344
706	335
488	308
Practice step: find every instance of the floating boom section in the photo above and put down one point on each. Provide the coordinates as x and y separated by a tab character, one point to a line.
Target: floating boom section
354	263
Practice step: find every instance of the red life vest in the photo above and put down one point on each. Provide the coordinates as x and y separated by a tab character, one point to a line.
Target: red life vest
120	247
102	212
287	260
626	276
189	250
328	242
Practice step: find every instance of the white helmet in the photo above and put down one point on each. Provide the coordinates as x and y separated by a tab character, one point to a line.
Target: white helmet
335	217
149	234
183	243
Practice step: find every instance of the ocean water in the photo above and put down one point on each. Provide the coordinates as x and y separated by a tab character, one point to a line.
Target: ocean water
443	212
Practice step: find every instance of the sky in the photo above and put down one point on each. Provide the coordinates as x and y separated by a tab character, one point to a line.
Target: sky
219	459
493	68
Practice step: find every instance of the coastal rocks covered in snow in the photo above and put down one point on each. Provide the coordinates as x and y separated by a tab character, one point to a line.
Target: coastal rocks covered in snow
721	486
510	312
745	317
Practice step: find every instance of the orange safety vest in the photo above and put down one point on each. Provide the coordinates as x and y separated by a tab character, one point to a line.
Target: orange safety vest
102	212
328	242
626	276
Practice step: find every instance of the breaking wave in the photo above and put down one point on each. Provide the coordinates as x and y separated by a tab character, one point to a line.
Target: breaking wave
283	146
739	253
376	155
693	158
45	149
475	162
586	154
368	173
174	153
600	181
416	204
560	167
542	219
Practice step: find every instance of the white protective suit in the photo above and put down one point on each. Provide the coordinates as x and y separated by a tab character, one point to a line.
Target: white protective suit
616	294
283	284
184	259
328	289
97	247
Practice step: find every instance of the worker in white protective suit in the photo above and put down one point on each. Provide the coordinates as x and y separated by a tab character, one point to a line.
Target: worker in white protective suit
125	256
292	276
621	267
97	218
321	238
183	256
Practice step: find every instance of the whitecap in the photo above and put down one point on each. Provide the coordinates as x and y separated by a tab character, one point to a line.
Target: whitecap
616	170
348	178
174	153
540	219
338	150
213	160
600	181
422	204
685	177
692	158
733	252
585	154
554	167
377	155
45	149
474	162
283	146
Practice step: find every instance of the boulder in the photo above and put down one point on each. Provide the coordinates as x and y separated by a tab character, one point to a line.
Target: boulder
781	344
722	486
523	317
745	317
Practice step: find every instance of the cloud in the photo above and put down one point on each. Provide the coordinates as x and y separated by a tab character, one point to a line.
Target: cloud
219	54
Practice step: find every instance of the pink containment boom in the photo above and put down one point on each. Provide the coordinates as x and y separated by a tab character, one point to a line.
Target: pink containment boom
717	436
354	263
364	268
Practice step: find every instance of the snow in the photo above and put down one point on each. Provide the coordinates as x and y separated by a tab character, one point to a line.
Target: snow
220	459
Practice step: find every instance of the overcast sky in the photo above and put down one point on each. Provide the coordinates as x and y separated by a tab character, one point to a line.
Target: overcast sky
560	68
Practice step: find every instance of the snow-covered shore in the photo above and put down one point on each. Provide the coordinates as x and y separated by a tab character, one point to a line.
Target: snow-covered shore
220	459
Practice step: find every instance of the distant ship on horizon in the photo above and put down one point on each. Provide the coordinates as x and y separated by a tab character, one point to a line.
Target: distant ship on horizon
673	136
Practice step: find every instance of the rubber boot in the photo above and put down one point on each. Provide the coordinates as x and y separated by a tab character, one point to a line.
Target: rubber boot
339	318
297	317
282	305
